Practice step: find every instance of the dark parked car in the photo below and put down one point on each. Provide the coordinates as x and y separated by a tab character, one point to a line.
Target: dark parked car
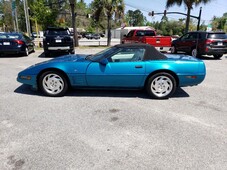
16	43
96	36
58	40
201	43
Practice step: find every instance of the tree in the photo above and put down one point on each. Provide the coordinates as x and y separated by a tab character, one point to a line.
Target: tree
135	18
189	5
110	8
219	23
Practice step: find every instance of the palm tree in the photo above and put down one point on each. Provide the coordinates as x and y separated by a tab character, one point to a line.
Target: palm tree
189	5
108	8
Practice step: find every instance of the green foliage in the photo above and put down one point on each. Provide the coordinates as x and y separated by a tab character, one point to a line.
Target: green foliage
135	18
189	5
44	15
219	23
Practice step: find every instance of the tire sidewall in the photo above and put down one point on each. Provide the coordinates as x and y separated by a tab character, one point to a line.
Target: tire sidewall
40	84
150	80
173	50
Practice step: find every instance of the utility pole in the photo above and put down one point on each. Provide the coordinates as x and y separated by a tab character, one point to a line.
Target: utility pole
72	5
27	17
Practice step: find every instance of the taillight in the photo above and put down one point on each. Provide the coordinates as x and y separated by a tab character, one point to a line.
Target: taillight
209	41
19	42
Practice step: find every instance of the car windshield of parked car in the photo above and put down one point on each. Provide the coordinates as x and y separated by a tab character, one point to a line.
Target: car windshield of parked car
98	56
10	36
217	36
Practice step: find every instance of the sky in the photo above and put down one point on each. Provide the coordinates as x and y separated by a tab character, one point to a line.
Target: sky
214	8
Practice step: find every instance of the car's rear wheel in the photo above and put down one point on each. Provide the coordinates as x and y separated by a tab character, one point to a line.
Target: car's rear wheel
47	53
173	50
218	56
161	85
53	83
26	52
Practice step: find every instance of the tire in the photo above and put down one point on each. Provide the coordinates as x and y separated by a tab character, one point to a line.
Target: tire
53	83
161	85
26	52
194	53
173	50
47	53
72	52
218	56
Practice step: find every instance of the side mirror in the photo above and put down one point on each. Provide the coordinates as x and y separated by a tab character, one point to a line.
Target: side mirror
125	35
104	61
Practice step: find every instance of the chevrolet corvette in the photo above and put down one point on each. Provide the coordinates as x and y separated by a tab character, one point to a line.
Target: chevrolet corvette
124	66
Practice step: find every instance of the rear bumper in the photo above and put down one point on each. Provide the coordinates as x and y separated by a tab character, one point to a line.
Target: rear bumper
213	51
163	49
58	48
12	51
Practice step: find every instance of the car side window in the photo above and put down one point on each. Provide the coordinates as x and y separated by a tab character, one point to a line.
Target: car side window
185	37
130	34
128	54
193	36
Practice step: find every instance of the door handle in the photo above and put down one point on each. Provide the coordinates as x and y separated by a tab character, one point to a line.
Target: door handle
138	66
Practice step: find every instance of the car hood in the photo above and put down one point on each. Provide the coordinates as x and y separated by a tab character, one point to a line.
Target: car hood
69	58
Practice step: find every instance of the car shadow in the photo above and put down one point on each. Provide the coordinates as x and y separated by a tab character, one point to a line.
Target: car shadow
53	55
204	57
12	56
27	90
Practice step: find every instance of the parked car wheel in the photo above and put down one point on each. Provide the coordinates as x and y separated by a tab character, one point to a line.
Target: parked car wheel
161	85
218	56
173	50
26	52
72	52
53	84
47	53
194	52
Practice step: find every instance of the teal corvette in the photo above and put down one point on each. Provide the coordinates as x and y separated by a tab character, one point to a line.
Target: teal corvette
125	66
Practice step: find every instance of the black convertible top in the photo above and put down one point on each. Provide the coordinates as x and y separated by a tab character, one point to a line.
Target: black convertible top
150	54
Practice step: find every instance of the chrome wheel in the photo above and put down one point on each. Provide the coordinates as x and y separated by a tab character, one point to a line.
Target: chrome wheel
53	83
194	52
161	85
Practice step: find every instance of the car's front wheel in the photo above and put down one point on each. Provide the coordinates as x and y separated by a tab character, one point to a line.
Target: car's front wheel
218	56
161	85
53	83
173	50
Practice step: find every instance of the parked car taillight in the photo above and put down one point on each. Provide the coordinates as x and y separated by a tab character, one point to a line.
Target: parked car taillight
19	42
209	41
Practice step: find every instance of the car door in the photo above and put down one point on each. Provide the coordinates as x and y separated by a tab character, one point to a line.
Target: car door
123	69
181	44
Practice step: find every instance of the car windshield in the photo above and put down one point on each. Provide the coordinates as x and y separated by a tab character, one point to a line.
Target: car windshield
101	54
10	36
217	36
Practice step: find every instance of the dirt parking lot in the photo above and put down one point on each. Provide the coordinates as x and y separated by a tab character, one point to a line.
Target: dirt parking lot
112	130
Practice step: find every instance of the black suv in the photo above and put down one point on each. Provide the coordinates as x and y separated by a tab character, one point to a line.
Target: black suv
201	43
58	40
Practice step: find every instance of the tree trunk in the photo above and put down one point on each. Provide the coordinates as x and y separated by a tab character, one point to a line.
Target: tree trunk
188	19
108	30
